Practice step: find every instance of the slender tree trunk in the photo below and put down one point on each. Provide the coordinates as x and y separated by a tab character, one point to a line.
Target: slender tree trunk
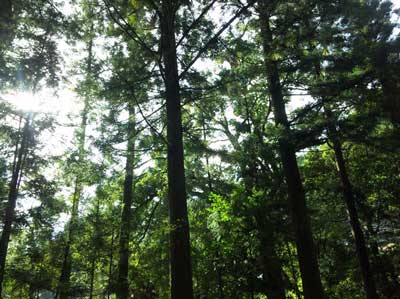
180	259
92	271
220	279
347	189
92	274
125	228
20	153
308	262
64	281
358	234
110	265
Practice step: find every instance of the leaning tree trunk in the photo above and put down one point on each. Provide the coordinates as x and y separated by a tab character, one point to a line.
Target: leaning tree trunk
347	189
361	247
306	252
125	228
20	154
180	259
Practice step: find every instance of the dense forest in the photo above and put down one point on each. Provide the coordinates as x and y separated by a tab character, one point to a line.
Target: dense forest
208	149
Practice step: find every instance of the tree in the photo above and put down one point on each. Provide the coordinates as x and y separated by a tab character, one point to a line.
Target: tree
21	150
305	247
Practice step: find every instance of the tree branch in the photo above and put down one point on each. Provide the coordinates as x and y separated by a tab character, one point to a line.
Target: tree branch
215	37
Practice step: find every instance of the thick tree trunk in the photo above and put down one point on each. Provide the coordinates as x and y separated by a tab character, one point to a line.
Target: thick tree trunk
125	228
12	200
180	258
309	270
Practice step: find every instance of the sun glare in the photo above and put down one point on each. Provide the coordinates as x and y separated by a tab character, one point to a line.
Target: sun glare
25	101
44	101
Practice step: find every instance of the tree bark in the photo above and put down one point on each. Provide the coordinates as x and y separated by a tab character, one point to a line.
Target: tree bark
20	153
125	228
180	258
309	270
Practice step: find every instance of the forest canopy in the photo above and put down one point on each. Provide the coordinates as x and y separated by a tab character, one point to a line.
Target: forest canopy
199	149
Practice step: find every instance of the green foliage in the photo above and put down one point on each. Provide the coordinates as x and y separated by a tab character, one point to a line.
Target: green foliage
341	56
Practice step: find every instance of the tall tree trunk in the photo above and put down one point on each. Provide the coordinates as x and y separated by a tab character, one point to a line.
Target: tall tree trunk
64	281
219	270
110	265
20	153
309	270
125	228
92	274
180	259
347	189
220	278
92	271
358	234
